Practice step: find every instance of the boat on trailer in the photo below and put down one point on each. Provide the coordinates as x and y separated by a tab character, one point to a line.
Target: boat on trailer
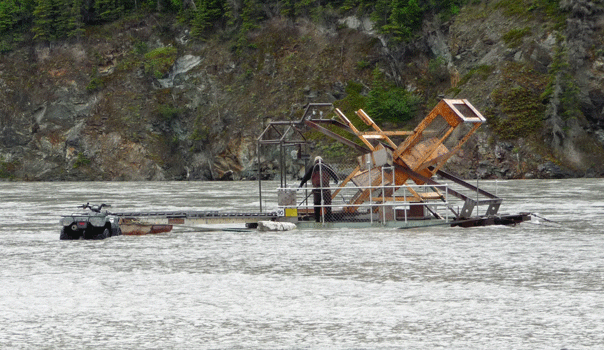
397	181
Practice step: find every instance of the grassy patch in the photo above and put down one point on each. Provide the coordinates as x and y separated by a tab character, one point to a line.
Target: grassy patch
514	7
523	112
514	37
482	71
519	109
5	46
473	12
363	64
81	161
95	81
159	61
7	170
168	112
531	9
336	152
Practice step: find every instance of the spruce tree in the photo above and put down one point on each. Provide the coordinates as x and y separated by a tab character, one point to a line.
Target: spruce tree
405	17
109	10
44	16
62	19
247	20
8	15
76	19
287	8
208	12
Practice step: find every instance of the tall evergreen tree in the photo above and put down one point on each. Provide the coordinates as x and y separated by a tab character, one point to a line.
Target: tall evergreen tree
208	12
405	18
44	16
250	17
76	19
381	12
109	10
62	19
8	15
288	8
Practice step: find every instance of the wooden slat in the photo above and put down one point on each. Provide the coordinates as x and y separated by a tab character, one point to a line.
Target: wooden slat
346	181
361	113
389	133
353	128
431	195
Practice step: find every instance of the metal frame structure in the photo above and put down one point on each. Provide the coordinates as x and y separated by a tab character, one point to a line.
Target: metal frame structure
415	160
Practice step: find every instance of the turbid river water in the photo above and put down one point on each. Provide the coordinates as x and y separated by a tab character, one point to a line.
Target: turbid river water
538	285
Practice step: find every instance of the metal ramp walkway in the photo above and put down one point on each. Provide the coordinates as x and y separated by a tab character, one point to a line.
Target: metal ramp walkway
138	223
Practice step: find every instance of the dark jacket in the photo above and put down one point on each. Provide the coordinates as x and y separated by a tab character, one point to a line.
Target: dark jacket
320	173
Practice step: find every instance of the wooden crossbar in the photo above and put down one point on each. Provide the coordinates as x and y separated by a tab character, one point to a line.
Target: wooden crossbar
361	113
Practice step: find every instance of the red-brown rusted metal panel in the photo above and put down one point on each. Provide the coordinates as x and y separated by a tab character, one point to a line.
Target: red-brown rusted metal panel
143	229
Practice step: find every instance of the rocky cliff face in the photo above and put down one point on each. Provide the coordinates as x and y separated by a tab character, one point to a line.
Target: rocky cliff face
142	100
514	65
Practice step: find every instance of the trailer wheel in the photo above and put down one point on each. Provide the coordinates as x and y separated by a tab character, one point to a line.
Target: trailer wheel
64	235
104	234
116	232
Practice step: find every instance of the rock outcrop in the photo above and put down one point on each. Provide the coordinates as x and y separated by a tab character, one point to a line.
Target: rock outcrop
103	109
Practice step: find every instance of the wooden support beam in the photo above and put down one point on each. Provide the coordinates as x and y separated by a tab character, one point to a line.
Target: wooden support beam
389	133
346	181
354	129
424	196
361	113
456	148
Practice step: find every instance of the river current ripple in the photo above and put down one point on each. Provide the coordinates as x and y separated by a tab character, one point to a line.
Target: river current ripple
536	285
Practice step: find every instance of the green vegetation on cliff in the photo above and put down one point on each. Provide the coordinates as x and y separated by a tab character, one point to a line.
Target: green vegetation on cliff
49	20
180	89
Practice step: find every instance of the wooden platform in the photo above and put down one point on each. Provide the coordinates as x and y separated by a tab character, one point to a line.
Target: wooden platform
141	223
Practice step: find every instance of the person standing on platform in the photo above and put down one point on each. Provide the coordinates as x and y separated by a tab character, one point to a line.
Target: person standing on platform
320	173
